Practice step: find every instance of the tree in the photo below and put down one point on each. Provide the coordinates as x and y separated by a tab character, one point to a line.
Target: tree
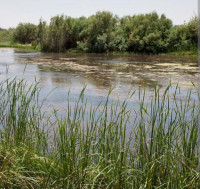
147	33
42	33
98	32
55	33
184	37
25	33
105	32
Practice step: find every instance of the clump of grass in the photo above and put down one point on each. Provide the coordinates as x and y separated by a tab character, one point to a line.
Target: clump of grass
108	146
28	47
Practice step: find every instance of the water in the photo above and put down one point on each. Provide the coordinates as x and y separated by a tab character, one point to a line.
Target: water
61	72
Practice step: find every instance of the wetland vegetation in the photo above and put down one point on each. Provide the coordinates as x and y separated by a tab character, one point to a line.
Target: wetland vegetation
92	147
105	32
143	134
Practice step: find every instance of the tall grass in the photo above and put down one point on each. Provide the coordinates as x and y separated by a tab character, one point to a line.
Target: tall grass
108	146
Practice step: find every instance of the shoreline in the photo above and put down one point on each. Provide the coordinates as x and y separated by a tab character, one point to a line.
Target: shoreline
75	51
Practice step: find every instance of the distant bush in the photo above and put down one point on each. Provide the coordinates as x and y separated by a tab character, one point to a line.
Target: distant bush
25	33
105	32
6	36
147	33
184	37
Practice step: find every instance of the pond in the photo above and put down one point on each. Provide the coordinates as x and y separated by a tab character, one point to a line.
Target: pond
59	72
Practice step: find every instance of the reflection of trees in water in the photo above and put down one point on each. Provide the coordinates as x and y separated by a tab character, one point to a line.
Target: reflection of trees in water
98	78
104	75
105	70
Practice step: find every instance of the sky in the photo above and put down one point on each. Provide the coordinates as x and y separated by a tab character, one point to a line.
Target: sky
12	12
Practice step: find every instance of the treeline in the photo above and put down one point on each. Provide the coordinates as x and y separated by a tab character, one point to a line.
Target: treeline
6	36
105	32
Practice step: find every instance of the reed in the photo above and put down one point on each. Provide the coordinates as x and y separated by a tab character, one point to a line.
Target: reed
113	145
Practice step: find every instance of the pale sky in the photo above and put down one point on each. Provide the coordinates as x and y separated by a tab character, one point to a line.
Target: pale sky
14	11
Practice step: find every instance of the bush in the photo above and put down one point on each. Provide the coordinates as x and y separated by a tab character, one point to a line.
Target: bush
105	32
25	33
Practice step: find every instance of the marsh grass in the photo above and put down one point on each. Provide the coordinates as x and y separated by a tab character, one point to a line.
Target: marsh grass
26	47
108	146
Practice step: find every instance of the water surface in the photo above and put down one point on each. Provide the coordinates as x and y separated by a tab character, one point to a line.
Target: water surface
99	72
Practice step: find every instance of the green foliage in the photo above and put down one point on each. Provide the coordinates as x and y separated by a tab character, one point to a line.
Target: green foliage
184	37
63	33
104	32
118	40
42	33
25	33
93	147
100	28
147	33
6	36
